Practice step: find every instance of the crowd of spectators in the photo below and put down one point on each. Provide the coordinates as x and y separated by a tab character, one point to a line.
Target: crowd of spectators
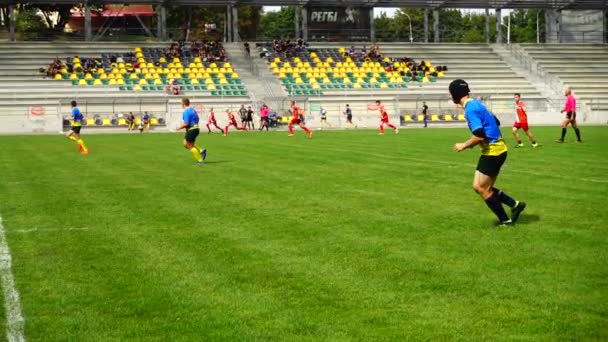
211	51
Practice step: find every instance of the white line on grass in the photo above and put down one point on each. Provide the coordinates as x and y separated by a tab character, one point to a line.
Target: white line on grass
12	304
33	230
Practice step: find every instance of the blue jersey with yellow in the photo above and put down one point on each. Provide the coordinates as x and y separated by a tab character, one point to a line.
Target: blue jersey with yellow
478	116
190	118
76	117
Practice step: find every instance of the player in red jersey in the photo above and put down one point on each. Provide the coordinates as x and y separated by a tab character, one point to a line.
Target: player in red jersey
383	116
212	121
231	122
296	111
521	121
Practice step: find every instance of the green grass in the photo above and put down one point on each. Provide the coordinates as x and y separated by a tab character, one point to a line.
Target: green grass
349	236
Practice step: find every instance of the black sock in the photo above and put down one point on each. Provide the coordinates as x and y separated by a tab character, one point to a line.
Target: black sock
578	133
504	198
519	141
563	133
494	204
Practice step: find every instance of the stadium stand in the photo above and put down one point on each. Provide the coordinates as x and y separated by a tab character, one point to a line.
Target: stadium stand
584	68
488	75
24	87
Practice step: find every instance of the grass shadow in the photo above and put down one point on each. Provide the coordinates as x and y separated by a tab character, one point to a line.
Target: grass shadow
527	219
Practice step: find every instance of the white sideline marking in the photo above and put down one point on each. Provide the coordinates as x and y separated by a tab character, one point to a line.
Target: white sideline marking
12	304
32	230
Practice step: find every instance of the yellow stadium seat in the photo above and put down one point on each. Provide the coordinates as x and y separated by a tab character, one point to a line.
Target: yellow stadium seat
420	117
76	60
120	81
208	81
299	81
408	117
440	74
434	117
158	82
112	81
122	122
58	77
106	122
357	86
235	75
73	77
316	86
90	122
211	86
162	60
461	117
82	83
223	81
97	82
103	76
88	76
176	60
153	121
447	117
143	82
194	81
383	85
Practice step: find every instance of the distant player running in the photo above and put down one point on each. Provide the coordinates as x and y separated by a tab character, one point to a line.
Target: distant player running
74	133
383	116
486	134
323	113
231	122
296	112
521	121
190	124
349	117
570	110
212	121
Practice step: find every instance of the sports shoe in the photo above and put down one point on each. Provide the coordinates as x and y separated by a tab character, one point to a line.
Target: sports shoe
310	135
204	153
397	130
84	152
535	145
559	141
200	163
516	210
291	135
519	145
504	224
380	133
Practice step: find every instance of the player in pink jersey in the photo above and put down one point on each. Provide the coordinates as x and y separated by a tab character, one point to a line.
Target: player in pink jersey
570	110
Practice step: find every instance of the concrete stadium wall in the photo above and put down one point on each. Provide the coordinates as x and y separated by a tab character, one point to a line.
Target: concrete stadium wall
28	118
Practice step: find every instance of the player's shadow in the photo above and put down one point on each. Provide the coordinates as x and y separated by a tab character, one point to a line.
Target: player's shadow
217	161
527	219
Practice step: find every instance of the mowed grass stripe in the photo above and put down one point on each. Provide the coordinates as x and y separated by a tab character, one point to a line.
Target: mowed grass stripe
346	236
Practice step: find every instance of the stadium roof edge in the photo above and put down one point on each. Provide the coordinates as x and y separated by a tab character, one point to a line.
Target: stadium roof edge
554	4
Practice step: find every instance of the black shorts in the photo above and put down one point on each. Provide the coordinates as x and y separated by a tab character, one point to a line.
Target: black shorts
264	119
571	115
349	118
490	165
191	135
76	129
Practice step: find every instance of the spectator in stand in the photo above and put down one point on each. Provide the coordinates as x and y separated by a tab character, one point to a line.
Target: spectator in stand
130	121
173	87
351	51
364	52
54	68
247	49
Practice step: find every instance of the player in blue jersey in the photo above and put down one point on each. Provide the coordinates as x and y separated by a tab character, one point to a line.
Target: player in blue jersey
190	118
145	122
487	135
74	133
